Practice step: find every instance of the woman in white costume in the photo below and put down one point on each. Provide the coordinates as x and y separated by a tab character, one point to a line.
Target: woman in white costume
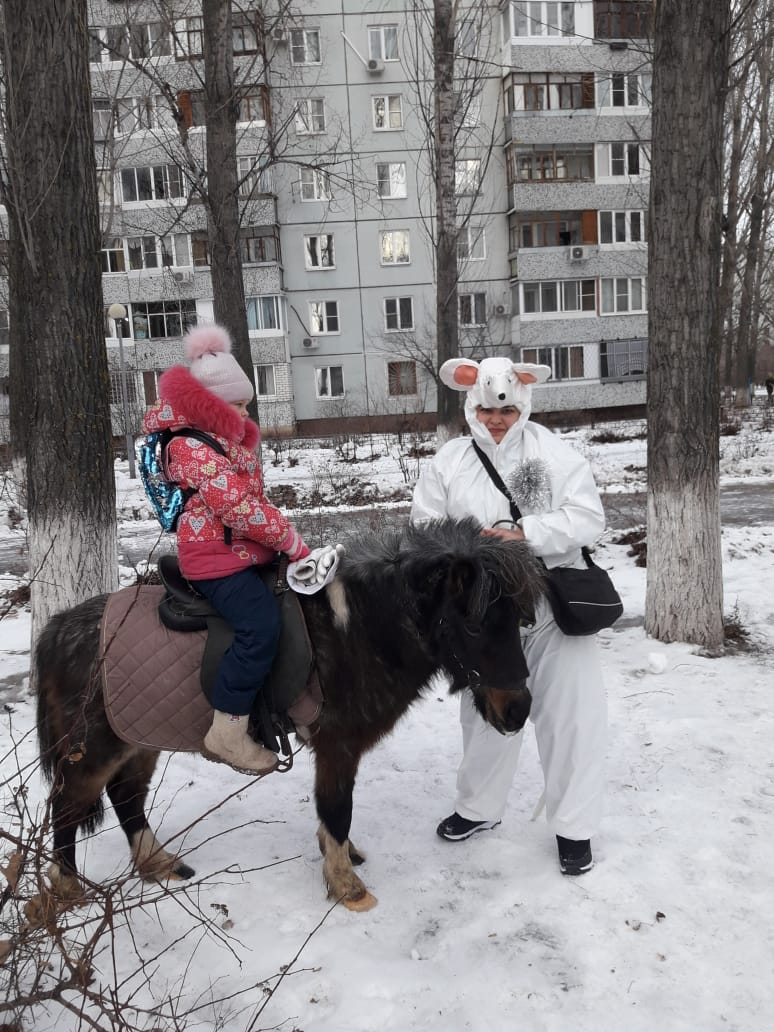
561	511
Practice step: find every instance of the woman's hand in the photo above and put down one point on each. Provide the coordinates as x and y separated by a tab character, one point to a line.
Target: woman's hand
504	533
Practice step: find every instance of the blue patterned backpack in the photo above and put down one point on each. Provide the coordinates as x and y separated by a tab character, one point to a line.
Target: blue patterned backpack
166	497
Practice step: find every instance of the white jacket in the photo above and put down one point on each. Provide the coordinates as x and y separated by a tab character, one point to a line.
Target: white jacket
455	483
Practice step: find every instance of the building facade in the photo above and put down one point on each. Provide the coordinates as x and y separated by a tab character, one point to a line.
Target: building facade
336	188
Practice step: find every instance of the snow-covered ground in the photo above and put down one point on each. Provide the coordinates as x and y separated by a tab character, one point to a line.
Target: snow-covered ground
672	929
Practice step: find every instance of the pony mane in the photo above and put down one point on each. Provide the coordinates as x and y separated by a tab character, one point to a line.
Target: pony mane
418	549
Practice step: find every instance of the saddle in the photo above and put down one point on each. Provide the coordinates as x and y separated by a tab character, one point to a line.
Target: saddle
291	698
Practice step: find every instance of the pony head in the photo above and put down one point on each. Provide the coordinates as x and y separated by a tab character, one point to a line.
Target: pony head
494	382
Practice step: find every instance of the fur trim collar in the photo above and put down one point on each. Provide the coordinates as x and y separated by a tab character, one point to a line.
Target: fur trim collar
204	410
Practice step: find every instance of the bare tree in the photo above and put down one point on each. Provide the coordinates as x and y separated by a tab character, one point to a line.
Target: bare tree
684	587
59	385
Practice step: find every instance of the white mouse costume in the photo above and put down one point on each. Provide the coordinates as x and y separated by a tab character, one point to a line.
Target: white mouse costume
561	511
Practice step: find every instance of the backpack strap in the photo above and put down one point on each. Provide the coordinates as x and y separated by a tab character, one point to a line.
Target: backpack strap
209	440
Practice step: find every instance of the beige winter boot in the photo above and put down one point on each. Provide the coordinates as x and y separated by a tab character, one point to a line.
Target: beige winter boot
227	741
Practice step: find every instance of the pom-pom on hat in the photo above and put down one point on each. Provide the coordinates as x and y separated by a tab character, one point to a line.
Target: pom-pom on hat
213	365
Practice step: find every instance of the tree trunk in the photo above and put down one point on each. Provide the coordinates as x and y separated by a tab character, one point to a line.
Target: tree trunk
223	217
447	315
59	382
684	582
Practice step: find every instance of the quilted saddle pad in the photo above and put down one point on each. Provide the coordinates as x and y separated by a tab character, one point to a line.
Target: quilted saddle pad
151	684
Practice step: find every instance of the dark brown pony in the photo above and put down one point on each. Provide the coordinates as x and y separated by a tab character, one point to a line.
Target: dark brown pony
404	606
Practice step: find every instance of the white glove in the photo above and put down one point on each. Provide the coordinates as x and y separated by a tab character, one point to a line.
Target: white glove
318	569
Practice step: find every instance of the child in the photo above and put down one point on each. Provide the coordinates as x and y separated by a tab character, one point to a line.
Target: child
227	531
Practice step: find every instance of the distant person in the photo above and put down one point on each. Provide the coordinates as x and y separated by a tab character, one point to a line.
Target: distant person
770	387
227	532
554	489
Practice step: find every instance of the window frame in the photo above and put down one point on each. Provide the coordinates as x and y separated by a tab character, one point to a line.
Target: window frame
392	235
466	233
395	370
476	300
257	306
585	290
616	216
322	315
260	233
183	309
467	177
303	46
389	181
329	248
567	355
616	293
377	42
258	375
319	180
387	99
325	373
312	123
399	304
534	13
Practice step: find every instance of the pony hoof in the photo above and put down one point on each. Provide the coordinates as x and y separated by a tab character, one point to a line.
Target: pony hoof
365	902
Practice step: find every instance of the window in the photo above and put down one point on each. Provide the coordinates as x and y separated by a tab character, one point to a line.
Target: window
264	313
398	313
545	229
627	159
394	247
391	179
467	109
102	117
4	332
401	379
319	252
623	19
200	249
383	42
253	105
153	183
549	296
467	176
623	90
542	163
244	35
113	259
466	40
621	227
105	183
117	382
388	111
472	309
254	176
623	358
259	246
542	18
470	244
133	113
566	361
265	381
622	295
142	252
548	91
324	317
315	185
329	381
305	46
310	115
156	319
190	40
137	42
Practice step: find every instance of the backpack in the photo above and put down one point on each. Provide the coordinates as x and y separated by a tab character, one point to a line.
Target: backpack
167	497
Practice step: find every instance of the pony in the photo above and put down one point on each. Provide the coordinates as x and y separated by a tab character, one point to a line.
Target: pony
405	605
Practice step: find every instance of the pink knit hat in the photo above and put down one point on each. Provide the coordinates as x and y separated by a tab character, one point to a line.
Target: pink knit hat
213	365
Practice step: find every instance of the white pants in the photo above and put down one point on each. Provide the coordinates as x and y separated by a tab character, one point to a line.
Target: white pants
569	711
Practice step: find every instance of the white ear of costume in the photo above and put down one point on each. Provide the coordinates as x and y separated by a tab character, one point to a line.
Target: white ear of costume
494	382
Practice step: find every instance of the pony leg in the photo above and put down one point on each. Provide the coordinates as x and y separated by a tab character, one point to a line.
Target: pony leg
75	802
127	791
334	784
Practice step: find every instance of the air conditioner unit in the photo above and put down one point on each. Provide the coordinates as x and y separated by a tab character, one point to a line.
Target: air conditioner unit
578	254
310	342
502	310
375	66
279	35
183	275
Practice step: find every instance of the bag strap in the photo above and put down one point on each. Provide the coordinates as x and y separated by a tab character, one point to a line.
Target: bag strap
209	440
497	480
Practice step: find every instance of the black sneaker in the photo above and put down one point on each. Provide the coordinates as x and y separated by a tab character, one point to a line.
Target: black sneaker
574	857
456	828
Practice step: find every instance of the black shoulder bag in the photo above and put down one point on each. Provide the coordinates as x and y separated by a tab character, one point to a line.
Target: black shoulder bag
582	601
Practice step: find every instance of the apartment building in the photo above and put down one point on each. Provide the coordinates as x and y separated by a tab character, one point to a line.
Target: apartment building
337	200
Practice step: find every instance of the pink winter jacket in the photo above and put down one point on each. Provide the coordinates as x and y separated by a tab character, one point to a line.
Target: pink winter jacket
229	489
